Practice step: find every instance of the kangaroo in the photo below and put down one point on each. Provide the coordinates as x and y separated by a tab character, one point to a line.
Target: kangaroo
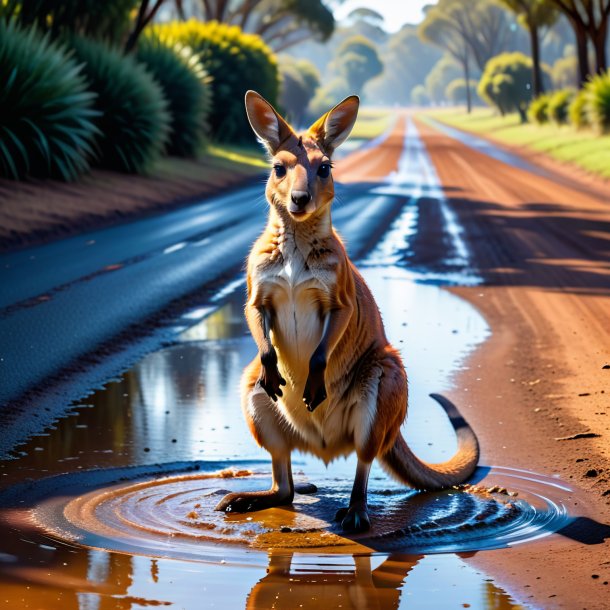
326	380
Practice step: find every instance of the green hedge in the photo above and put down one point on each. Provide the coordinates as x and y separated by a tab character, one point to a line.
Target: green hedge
134	122
186	87
559	104
236	62
538	111
46	112
104	19
597	92
577	111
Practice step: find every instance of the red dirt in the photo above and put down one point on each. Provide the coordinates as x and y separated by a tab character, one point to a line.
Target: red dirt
544	252
39	211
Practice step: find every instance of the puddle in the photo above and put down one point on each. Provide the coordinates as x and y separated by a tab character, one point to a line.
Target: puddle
120	526
111	507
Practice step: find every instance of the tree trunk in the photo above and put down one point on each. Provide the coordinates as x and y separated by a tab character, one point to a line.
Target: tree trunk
599	44
582	53
537	82
467	79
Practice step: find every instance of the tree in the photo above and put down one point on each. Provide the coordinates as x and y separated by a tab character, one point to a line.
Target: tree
445	70
506	83
281	23
408	61
589	20
299	82
533	15
358	61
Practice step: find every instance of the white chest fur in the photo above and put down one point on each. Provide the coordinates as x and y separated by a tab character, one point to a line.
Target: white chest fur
293	290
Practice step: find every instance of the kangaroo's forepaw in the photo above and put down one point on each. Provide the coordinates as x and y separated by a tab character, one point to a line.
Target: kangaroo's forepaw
354	520
251	501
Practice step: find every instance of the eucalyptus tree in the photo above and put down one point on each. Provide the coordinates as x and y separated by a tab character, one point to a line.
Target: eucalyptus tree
534	15
589	20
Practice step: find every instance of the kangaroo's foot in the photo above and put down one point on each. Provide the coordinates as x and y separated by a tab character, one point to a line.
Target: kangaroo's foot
355	519
249	501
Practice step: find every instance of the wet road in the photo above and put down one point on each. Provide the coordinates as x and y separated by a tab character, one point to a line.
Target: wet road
180	404
65	300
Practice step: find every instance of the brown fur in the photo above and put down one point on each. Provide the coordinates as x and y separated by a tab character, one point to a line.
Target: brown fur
319	332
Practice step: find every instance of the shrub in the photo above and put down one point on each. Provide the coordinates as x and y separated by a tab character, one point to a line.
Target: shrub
577	111
107	19
597	91
538	111
46	127
133	121
559	103
236	62
507	83
186	87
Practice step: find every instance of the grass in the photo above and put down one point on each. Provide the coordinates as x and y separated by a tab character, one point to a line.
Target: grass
371	123
585	149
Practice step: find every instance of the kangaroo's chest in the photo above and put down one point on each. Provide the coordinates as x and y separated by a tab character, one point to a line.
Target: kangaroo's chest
297	295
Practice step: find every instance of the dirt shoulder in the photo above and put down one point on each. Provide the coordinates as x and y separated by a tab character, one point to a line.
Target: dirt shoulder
39	211
543	251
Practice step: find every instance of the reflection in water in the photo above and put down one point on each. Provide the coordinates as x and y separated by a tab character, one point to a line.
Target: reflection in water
182	404
362	581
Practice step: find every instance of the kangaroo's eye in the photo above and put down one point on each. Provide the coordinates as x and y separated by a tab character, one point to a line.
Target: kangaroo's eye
280	170
324	170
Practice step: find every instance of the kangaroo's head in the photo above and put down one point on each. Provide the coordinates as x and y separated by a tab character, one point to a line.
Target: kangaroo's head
301	181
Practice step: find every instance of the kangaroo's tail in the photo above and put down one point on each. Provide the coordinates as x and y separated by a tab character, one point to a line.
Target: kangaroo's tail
403	464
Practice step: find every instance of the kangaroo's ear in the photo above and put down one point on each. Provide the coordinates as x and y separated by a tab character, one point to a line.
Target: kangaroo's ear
332	128
270	128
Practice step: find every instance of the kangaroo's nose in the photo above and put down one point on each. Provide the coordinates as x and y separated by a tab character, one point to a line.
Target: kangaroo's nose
300	198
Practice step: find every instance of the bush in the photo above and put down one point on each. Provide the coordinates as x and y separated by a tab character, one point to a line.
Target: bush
107	19
133	121
507	83
236	62
577	112
46	114
538	111
186	87
597	92
559	103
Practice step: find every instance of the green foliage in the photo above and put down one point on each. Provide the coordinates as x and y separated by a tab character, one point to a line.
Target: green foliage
559	104
107	19
565	72
46	114
326	97
445	70
456	91
507	83
186	87
577	112
300	80
597	92
133	121
236	62
419	96
408	61
538	111
358	61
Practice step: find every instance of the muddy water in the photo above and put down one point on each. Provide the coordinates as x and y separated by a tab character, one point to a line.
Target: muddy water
127	521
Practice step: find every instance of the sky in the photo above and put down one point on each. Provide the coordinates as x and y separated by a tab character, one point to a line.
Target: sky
395	12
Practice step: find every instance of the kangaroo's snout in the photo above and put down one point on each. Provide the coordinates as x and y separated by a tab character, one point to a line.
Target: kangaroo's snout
299	200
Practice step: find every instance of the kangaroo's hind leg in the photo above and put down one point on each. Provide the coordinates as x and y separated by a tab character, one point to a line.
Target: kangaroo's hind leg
269	431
